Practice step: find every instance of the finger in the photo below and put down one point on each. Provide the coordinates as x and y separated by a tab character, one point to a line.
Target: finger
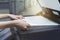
24	28
19	17
28	26
14	18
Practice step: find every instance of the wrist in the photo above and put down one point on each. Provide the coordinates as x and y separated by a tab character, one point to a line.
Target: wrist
9	15
14	22
11	23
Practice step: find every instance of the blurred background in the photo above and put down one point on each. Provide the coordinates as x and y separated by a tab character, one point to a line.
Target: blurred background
4	6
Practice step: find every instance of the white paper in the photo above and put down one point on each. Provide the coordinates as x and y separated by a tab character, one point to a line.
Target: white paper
39	20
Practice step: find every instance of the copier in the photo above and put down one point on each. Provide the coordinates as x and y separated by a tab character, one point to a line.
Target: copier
42	29
45	27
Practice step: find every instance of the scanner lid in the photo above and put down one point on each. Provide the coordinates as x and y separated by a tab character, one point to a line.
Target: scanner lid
52	4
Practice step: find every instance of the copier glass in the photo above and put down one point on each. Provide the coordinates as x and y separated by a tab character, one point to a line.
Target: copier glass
42	29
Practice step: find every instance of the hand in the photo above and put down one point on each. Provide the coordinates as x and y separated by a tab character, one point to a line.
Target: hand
15	16
22	24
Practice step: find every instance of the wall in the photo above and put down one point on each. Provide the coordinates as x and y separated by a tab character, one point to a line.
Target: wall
4	4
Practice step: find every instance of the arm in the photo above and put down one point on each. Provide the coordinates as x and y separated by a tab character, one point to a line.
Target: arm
11	16
7	24
4	15
15	23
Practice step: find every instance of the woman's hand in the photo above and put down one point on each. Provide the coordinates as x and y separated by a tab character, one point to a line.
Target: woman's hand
15	16
22	24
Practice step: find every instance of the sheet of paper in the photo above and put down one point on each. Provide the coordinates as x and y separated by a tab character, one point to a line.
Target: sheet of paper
38	21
